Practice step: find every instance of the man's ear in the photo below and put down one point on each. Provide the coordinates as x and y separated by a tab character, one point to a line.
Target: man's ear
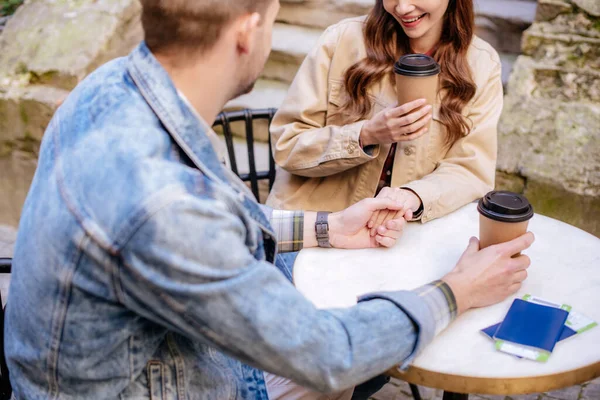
247	26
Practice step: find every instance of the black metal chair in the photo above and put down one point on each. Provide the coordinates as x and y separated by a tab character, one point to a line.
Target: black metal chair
5	388
224	120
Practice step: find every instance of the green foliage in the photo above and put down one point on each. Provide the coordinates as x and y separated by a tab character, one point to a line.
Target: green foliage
8	7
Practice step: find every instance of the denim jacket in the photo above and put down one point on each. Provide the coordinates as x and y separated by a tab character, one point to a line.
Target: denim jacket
142	271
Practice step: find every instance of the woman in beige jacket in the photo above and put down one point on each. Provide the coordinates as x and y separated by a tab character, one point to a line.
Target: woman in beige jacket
339	126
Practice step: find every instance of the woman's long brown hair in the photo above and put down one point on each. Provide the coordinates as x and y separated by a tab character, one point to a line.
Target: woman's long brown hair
385	42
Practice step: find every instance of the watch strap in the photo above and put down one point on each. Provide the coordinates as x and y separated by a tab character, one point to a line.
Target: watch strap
322	229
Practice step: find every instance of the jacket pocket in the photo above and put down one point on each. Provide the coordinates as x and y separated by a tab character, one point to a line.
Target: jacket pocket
156	380
335	100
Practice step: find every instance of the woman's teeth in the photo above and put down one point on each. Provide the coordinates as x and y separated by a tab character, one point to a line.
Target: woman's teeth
413	19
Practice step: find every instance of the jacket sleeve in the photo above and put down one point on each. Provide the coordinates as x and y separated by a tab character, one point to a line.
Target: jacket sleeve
468	170
187	268
303	143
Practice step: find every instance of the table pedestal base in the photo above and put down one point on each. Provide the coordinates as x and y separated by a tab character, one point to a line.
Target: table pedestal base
455	396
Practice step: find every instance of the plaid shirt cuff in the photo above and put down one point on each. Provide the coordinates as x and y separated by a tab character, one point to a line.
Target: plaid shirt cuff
441	302
289	230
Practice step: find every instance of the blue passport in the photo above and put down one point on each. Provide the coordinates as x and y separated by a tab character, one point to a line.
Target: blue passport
566	333
531	325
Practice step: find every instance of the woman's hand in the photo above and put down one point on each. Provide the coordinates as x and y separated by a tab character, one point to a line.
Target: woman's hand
348	228
397	124
406	199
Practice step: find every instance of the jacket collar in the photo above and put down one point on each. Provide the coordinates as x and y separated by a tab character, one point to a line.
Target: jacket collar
160	93
180	122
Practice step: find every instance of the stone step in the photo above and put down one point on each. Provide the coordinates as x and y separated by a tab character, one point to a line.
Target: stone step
578	23
516	12
534	79
266	94
591	7
564	50
291	44
549	9
508	61
321	13
502	22
567	84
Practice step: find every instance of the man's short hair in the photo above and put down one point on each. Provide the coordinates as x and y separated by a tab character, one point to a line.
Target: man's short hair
191	25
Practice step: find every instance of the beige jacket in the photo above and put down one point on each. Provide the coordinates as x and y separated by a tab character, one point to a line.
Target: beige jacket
321	165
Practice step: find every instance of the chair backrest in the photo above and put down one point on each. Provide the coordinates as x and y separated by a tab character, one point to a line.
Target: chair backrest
5	388
224	120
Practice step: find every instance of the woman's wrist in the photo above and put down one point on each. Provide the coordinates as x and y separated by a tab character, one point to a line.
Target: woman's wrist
417	202
365	136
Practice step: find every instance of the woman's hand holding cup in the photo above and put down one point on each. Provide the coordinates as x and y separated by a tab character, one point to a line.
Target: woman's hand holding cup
397	124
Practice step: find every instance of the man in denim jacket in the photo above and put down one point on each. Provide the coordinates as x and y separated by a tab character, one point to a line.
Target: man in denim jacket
143	267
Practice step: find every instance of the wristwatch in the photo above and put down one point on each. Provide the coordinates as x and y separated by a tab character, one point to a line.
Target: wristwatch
322	229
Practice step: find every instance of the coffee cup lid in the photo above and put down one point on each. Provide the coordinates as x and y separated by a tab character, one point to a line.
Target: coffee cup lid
505	206
416	65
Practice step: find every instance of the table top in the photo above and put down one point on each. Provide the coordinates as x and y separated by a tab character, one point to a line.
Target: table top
565	268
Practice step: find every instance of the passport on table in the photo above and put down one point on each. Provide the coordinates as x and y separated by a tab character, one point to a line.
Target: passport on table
567	332
531	330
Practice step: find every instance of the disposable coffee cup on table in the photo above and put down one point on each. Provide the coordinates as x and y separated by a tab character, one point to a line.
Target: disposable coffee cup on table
503	216
417	77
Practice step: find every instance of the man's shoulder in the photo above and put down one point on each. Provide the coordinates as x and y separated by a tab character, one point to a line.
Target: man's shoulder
117	161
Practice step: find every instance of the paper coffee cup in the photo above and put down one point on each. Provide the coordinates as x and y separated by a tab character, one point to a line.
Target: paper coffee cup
503	216
416	78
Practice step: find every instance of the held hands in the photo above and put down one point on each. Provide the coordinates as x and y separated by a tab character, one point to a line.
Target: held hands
406	199
348	228
397	124
485	277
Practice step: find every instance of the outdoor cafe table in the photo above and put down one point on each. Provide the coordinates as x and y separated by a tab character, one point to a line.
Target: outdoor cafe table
565	268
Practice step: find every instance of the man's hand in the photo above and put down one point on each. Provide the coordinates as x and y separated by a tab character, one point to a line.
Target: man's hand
409	201
485	277
348	228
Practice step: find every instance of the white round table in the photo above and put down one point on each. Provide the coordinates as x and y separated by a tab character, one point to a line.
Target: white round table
565	268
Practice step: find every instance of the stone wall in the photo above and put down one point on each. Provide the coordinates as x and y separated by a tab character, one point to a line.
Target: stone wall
46	48
550	128
548	141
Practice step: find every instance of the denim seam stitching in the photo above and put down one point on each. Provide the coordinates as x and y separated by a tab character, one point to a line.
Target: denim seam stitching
179	367
58	321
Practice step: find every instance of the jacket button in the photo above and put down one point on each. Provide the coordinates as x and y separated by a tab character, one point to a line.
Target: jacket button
409	151
350	148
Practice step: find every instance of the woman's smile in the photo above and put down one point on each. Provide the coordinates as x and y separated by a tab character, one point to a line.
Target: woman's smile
412	21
